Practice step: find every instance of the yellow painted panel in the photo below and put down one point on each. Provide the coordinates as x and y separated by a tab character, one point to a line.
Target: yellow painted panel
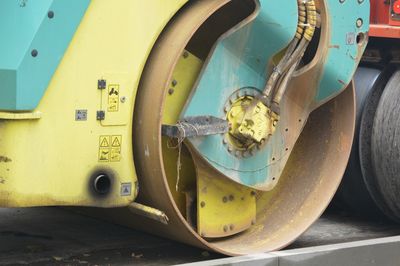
115	99
50	161
183	79
224	208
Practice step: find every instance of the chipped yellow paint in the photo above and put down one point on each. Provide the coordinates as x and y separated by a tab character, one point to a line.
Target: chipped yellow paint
51	160
184	76
224	207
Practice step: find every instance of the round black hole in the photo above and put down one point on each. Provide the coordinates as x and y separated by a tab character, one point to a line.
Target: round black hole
102	184
50	14
360	38
34	53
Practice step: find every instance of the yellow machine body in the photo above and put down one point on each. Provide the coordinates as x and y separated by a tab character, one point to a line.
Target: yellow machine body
51	155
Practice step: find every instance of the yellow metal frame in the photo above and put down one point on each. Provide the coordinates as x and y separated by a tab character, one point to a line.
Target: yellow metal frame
51	160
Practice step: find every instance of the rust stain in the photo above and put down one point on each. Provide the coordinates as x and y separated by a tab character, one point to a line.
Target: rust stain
335	46
342	82
5	159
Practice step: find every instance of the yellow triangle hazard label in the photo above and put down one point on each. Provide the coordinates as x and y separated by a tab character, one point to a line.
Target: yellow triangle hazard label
104	142
116	142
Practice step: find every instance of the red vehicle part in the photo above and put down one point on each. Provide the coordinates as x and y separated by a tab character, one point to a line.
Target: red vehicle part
385	18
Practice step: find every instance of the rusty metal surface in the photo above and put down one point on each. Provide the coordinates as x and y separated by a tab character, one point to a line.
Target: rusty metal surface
309	180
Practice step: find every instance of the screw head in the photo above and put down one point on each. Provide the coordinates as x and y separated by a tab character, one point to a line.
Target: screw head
34	53
171	91
123	99
202	204
50	14
359	23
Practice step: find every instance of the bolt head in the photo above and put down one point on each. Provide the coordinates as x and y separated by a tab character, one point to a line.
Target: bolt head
359	23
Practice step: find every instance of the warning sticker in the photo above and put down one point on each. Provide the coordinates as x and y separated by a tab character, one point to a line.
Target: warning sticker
115	154
113	98
126	189
116	141
104	155
104	141
110	148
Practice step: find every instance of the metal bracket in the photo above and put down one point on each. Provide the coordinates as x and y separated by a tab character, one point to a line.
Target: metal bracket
196	126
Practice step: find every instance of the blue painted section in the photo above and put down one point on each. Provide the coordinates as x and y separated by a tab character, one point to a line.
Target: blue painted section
241	59
25	26
343	57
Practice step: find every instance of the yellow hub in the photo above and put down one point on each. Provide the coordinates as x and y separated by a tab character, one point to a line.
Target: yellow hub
251	123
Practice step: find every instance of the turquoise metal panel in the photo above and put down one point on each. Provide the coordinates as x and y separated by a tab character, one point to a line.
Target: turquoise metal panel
242	59
344	53
26	26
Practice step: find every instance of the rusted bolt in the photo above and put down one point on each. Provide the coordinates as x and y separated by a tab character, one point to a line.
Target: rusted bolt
170	91
185	55
202	204
225	228
174	83
231	197
224	199
231	227
253	193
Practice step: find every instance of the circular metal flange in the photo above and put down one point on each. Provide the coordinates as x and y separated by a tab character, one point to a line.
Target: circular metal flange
232	145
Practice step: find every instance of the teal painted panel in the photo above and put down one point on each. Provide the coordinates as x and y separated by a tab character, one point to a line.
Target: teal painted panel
344	53
26	26
8	80
19	22
242	59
